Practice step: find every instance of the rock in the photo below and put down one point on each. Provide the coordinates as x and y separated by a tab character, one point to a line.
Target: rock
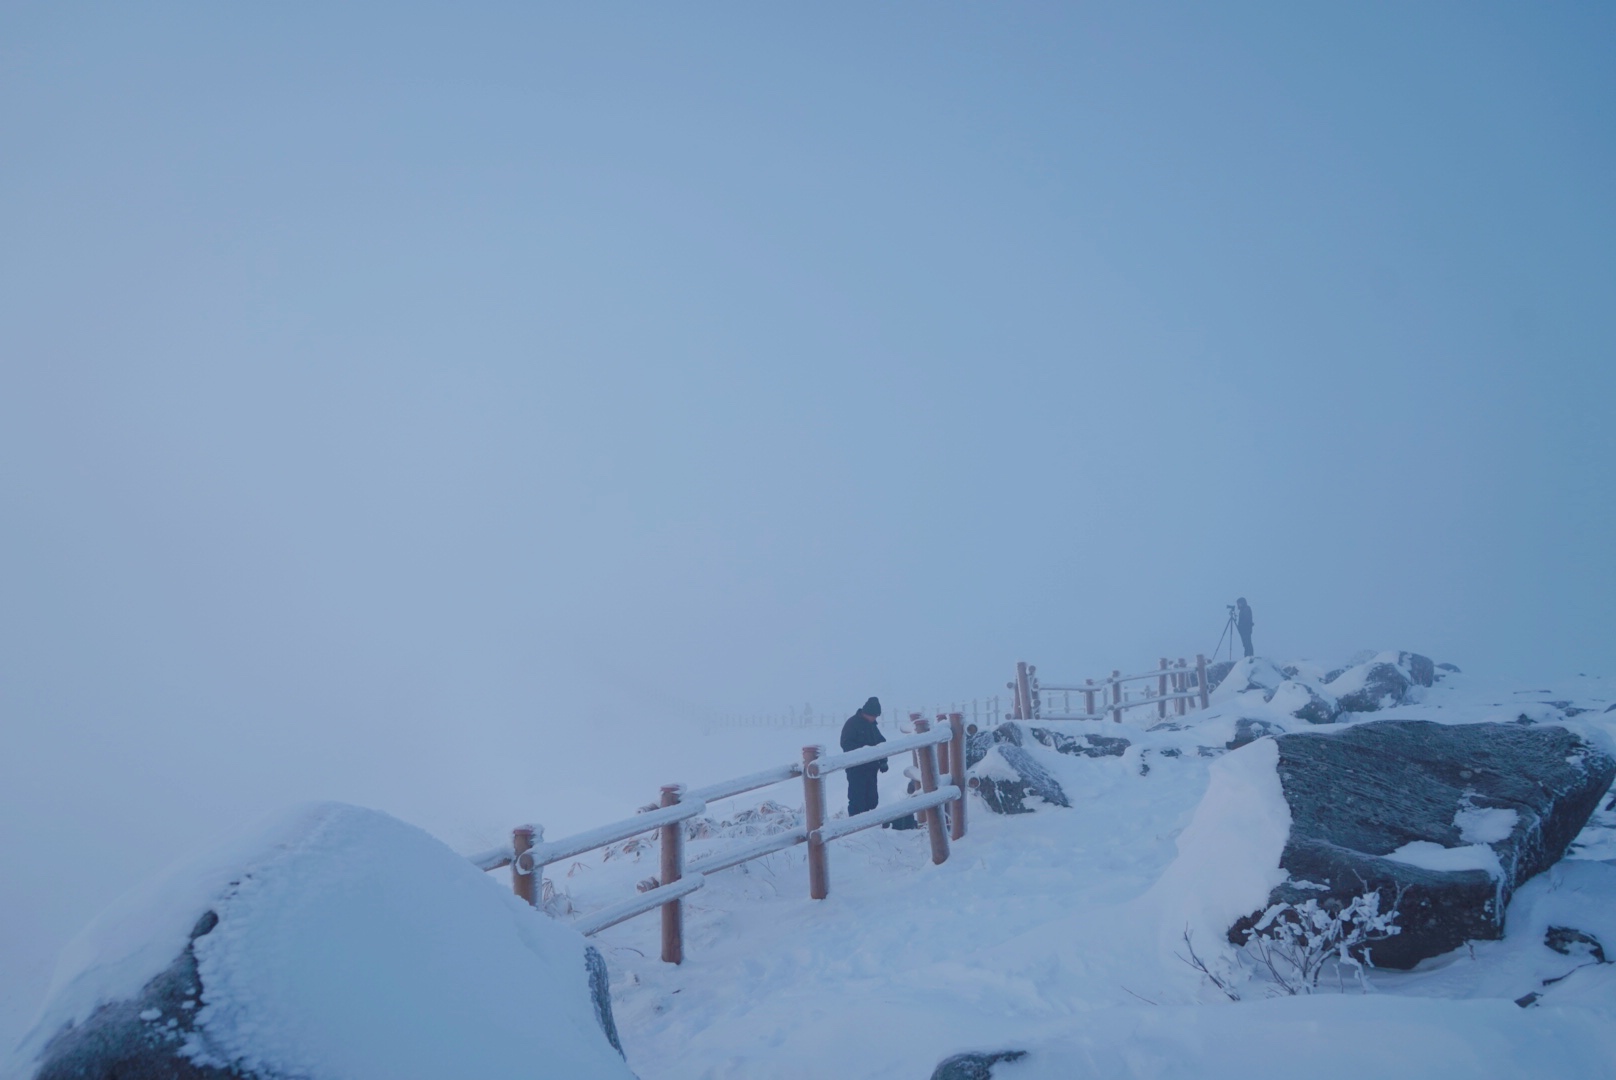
1247	730
1360	795
1086	745
1305	702
324	944
1570	942
600	994
1419	668
139	1039
1451	669
1371	687
973	1066
1009	775
1215	674
1248	674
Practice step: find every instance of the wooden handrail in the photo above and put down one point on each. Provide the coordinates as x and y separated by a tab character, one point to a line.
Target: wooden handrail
914	804
864	755
653	898
555	851
750	782
528	853
713	862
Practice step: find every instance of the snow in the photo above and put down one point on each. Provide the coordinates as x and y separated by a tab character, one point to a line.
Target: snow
1059	932
1486	825
1430	856
1228	859
352	945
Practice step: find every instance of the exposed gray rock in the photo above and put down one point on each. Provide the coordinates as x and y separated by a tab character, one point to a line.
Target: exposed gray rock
1383	684
1008	794
1419	668
1451	669
1215	674
1571	942
1247	730
1086	745
973	1066
600	992
139	1039
142	1038
1359	795
1305	702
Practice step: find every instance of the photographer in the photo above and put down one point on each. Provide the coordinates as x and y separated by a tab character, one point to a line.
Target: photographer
1242	623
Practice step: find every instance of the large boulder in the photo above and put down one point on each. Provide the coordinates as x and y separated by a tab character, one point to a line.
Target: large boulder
1445	820
1385	680
1087	744
330	942
1002	770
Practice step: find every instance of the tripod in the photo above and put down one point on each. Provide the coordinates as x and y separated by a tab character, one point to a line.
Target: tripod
1228	632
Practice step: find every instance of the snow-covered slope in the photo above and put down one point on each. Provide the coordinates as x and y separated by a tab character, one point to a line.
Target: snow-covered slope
1059	932
346	944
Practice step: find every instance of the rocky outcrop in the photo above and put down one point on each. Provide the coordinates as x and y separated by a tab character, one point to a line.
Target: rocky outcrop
1086	745
1305	702
1446	821
1009	776
139	1039
973	1066
1006	773
1248	730
290	923
1386	680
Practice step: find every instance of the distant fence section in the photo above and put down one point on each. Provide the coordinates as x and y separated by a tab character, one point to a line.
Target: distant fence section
978	711
939	750
1170	685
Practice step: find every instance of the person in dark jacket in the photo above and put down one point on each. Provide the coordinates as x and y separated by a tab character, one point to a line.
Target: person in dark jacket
1242	623
861	730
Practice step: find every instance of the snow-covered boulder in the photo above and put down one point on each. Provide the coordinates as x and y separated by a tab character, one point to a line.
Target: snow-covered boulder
1084	745
1005	773
328	942
1253	681
1387	679
1454	816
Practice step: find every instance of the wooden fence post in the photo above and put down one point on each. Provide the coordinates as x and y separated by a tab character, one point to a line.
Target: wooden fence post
1161	706
1116	696
928	784
956	773
1200	674
813	811
525	883
1181	684
672	842
1089	694
1023	692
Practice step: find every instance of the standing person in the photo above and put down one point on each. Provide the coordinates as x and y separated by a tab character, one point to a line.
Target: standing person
1243	623
861	730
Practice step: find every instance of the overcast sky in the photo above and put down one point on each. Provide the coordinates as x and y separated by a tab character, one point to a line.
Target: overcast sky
394	396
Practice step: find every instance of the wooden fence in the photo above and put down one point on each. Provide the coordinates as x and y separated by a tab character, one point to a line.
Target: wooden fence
941	805
1170	684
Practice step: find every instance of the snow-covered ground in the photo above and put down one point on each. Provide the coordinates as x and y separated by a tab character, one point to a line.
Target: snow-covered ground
1056	931
1059	931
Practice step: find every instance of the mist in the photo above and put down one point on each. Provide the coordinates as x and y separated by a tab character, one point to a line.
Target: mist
449	410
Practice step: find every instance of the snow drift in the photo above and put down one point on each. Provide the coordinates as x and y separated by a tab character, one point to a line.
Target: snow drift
329	941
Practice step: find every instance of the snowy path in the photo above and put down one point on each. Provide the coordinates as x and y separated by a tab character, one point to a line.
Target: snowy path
1039	929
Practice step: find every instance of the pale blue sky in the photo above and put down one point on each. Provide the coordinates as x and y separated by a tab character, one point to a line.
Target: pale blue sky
385	383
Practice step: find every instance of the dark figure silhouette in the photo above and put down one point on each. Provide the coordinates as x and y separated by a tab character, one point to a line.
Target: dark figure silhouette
1242	623
861	730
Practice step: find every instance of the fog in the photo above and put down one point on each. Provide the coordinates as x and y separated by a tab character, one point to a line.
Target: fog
451	409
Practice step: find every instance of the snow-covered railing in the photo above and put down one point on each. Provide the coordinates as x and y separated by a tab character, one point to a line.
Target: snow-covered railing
529	853
1177	684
